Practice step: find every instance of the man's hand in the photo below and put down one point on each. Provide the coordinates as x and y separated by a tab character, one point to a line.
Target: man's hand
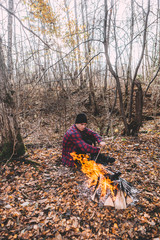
102	144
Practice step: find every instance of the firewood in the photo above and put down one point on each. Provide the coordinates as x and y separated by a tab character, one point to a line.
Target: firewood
109	202
120	202
129	200
96	195
108	188
93	196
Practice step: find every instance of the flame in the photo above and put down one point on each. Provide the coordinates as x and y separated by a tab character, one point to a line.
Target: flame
96	173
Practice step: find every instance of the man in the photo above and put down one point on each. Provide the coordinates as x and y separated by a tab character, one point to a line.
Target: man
80	139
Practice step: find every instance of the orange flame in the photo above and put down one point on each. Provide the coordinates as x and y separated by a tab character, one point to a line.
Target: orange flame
96	173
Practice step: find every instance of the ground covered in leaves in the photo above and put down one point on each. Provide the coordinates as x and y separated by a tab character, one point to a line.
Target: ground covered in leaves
50	201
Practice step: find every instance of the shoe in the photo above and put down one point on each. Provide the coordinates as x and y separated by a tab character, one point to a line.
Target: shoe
110	159
114	176
102	159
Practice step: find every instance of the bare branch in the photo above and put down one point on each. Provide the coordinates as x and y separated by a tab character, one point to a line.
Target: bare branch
152	80
23	24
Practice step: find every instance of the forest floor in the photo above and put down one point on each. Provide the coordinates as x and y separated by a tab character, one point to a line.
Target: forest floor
51	201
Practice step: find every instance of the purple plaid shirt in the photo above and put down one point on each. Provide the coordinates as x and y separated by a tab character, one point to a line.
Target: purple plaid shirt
73	140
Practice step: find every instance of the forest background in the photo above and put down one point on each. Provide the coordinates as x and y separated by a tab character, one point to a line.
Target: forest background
59	58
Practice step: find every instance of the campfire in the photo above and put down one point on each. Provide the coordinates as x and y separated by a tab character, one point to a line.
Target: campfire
108	188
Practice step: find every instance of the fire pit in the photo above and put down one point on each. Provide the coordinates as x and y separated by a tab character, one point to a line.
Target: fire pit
108	188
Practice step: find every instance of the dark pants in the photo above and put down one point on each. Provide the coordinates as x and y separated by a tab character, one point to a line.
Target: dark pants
99	158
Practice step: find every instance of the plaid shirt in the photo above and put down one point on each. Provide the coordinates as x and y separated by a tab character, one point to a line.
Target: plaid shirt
73	141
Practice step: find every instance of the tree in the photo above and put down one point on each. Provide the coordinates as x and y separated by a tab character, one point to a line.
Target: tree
11	141
133	123
9	55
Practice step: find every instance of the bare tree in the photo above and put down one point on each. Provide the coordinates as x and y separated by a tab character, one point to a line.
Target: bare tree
129	67
11	140
78	41
134	122
140	59
158	25
107	26
89	73
9	55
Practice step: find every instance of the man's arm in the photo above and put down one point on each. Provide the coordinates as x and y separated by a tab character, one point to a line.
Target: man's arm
94	135
82	145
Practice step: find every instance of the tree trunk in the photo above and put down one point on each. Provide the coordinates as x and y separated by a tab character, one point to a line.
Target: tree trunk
71	37
77	38
136	122
11	143
129	67
9	53
92	96
114	74
158	22
139	62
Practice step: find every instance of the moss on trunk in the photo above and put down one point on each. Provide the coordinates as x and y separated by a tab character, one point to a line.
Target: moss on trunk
8	150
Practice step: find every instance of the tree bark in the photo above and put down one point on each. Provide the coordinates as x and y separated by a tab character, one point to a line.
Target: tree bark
9	53
114	74
129	67
140	60
136	122
11	141
89	75
77	38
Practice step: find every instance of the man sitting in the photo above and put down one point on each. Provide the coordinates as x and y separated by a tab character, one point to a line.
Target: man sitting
80	139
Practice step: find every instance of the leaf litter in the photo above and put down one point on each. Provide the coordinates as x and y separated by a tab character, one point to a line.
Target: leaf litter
51	201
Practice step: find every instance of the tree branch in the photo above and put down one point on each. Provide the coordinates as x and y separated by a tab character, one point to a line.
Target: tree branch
152	80
23	24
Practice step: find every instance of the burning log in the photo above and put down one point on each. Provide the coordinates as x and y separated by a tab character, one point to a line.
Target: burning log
109	189
122	196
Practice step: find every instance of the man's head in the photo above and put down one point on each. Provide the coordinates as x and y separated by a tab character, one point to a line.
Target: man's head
81	121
